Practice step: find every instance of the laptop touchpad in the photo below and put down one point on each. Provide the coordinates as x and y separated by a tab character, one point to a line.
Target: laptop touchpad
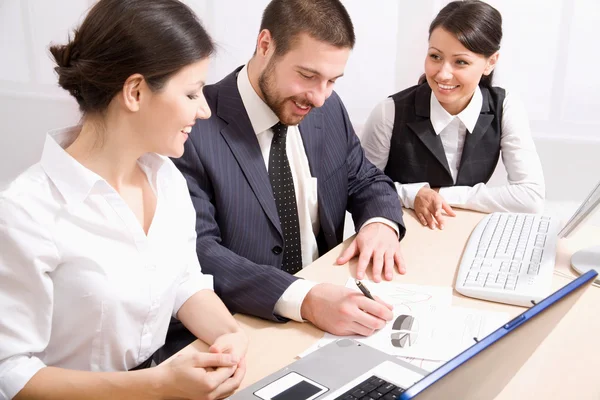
292	386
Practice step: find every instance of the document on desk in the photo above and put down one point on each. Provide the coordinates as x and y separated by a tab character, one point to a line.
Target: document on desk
404	297
427	365
425	325
434	333
408	297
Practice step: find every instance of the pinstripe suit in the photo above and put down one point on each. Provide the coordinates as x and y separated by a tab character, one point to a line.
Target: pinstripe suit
239	235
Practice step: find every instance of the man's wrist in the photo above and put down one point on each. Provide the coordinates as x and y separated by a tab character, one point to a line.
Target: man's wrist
290	303
392	225
306	307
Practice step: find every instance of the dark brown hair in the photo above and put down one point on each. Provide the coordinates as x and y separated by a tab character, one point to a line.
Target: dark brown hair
119	38
324	20
476	25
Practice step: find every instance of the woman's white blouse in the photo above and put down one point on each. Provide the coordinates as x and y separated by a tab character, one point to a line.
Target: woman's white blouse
525	191
81	285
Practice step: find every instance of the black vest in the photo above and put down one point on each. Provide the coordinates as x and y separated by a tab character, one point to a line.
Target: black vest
417	153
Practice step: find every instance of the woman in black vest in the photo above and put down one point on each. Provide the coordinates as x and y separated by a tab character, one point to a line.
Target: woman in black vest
440	141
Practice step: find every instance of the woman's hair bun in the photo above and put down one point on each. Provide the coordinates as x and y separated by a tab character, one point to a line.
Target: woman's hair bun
69	78
120	38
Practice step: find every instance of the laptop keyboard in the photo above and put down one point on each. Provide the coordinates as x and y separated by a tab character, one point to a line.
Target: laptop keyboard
373	388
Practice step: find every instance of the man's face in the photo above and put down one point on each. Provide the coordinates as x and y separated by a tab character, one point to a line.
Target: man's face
302	78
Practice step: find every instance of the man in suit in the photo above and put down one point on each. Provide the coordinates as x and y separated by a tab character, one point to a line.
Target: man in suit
274	169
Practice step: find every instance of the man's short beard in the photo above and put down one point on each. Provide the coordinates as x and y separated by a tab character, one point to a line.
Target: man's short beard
268	87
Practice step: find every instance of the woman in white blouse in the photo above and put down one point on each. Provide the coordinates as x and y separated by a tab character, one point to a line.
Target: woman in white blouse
440	141
97	240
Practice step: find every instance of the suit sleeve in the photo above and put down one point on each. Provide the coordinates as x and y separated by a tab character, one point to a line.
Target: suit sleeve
244	286
371	193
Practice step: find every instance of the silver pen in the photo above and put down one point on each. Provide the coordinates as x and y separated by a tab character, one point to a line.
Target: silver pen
364	289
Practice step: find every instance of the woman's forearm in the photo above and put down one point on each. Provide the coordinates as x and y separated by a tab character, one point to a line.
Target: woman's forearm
205	315
52	383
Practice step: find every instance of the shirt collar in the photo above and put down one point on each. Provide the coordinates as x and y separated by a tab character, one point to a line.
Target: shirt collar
74	181
260	114
440	118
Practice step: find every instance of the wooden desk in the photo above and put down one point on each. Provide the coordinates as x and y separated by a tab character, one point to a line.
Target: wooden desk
565	366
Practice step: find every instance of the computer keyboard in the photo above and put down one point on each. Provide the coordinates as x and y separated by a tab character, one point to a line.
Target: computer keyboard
509	258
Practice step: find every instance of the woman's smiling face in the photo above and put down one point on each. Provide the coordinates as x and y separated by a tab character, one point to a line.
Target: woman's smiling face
452	71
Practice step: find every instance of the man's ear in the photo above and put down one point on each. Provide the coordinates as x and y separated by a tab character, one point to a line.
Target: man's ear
491	63
132	92
265	44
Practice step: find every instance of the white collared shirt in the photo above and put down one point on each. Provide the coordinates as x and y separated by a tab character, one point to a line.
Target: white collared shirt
525	190
81	285
262	119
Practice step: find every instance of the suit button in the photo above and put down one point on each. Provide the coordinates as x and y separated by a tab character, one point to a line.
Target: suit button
277	250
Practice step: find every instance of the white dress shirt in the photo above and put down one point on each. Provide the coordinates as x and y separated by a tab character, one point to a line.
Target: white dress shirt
81	285
525	190
262	119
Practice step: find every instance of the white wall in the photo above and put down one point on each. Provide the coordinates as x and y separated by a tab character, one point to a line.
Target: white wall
548	57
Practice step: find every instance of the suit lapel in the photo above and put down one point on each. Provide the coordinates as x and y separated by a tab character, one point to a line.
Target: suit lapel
424	130
312	138
483	123
243	143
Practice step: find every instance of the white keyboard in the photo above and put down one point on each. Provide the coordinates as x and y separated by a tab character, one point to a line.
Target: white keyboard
509	258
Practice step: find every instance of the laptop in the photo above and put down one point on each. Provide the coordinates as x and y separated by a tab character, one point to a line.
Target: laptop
349	370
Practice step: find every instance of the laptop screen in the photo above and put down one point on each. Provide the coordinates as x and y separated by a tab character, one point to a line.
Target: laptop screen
483	370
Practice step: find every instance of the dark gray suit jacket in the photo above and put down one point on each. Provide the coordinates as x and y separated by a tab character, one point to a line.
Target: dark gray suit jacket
239	235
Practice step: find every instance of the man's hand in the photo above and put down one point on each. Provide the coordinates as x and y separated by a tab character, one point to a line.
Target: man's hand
428	207
379	242
342	311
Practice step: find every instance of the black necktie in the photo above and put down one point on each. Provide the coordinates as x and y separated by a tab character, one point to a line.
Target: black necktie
282	182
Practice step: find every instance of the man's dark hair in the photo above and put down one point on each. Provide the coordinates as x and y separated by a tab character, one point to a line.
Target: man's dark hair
324	20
